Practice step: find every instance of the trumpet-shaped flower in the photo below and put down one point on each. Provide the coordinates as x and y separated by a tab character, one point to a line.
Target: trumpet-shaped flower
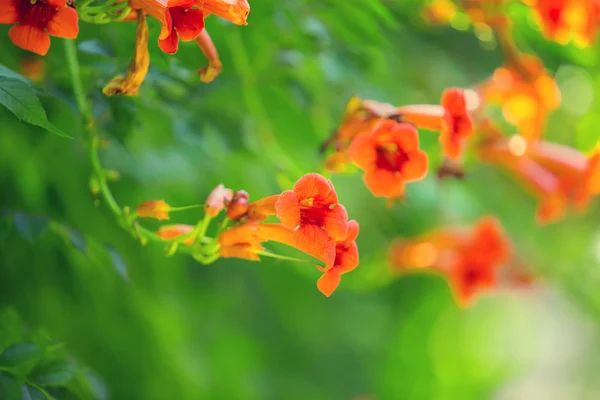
390	156
312	210
36	20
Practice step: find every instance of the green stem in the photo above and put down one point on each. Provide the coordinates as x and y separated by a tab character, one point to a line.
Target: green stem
73	65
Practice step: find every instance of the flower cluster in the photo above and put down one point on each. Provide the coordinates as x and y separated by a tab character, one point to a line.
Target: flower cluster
383	140
309	218
474	261
36	20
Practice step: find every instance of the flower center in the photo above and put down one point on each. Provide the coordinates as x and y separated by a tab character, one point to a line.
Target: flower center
312	212
35	13
390	157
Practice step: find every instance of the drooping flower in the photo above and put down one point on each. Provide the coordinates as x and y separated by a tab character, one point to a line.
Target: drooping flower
390	156
450	118
313	212
33	68
36	21
172	232
157	209
217	200
178	18
129	84
346	260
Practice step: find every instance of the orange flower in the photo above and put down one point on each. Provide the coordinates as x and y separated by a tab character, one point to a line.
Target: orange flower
157	209
217	200
245	240
450	118
235	11
346	259
526	93
475	267
238	207
390	156
563	20
38	20
177	17
172	232
312	210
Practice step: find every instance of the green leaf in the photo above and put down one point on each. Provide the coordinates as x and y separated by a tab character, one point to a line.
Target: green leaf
32	393
54	374
9	387
20	99
20	353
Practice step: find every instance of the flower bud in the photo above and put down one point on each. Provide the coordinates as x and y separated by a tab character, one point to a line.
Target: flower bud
153	209
238	206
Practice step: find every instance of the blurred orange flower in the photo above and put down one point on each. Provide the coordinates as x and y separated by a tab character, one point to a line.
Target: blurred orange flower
526	93
474	269
451	119
565	20
469	259
390	156
36	21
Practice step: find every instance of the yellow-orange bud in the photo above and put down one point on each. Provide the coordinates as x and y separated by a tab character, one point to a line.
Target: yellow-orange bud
238	206
153	209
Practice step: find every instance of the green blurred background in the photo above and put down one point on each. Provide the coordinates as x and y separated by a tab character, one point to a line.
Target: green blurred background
130	323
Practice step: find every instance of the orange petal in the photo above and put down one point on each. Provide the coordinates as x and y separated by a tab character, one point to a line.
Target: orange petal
383	183
424	116
8	12
57	3
362	151
353	230
408	137
169	44
262	208
329	281
288	209
244	251
235	11
315	186
64	23
347	259
416	166
336	222
30	38
313	240
188	23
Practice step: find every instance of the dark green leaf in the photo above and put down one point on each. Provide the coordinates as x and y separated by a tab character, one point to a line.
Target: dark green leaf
19	353
54	374
31	393
9	387
21	99
30	226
